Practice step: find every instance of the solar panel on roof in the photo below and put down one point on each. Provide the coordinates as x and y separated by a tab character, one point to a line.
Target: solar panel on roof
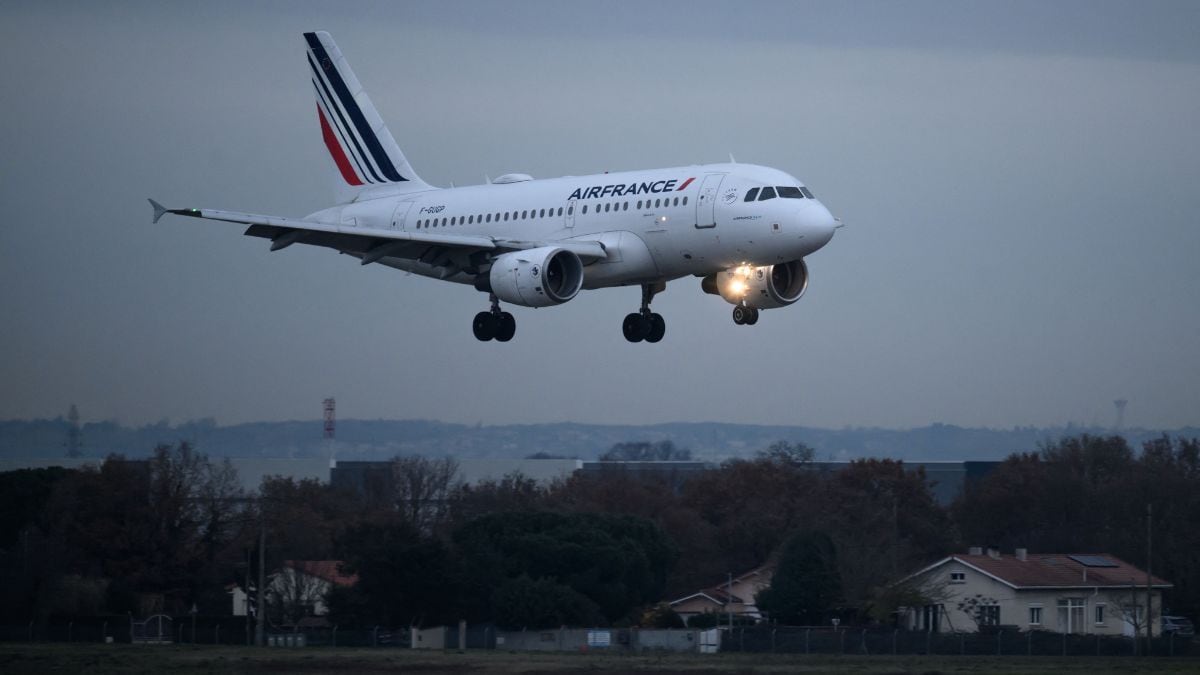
1093	560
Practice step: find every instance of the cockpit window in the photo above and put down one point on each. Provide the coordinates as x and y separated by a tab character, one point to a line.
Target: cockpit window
807	193
751	194
790	192
767	193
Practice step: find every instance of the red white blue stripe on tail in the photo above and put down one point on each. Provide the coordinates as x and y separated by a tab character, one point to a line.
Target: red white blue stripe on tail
362	149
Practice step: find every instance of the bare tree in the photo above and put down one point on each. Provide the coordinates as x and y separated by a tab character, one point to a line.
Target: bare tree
981	609
1133	610
293	594
421	489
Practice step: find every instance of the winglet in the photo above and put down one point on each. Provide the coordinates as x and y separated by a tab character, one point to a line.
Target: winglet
159	209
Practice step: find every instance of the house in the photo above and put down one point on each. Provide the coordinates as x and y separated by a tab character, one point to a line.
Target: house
736	595
1061	592
300	587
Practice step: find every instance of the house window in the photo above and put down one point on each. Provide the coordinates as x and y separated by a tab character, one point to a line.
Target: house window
1070	615
1099	615
1035	616
958	577
989	615
931	618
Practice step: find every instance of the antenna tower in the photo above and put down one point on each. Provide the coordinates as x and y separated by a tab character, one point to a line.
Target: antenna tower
73	434
330	406
1120	404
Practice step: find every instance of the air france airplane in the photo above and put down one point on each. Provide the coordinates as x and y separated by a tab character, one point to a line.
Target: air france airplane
744	230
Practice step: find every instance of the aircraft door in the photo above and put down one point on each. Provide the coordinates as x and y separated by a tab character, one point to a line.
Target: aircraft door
706	200
569	213
400	215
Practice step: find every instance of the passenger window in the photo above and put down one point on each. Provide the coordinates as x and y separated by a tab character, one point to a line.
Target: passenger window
790	192
585	208
751	194
807	193
625	206
524	215
677	201
767	193
657	202
685	201
543	213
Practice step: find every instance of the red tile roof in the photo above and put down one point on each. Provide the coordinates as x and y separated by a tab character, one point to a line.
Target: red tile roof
323	569
1057	570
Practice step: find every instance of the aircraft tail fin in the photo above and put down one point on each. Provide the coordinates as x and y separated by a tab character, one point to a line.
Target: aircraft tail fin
365	156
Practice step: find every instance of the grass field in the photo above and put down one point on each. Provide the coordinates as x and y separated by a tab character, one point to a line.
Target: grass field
184	660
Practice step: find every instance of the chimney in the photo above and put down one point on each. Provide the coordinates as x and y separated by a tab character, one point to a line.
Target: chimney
993	553
975	550
1022	554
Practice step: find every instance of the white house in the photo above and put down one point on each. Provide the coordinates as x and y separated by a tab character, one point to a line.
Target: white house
735	596
1060	592
299	588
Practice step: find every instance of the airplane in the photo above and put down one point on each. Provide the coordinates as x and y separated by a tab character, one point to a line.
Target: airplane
743	230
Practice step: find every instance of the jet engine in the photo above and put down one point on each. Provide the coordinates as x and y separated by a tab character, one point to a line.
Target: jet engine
765	287
539	277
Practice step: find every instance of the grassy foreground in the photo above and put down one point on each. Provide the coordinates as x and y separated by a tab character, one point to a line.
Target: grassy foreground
184	660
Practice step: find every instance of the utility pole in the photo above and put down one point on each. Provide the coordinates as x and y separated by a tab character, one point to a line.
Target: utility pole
729	602
246	602
1149	551
260	620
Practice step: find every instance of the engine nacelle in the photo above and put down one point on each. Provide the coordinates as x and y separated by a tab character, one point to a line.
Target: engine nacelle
765	287
539	277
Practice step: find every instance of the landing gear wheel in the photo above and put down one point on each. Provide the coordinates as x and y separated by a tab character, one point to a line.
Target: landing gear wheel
739	314
506	327
752	316
485	326
635	327
658	328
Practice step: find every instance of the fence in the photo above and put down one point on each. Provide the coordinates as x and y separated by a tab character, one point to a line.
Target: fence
600	639
228	630
823	640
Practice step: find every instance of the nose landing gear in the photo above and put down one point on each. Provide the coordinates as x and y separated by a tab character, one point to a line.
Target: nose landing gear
644	324
494	324
745	316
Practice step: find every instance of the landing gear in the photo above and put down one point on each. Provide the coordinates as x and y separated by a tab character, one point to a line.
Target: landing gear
745	316
644	324
494	324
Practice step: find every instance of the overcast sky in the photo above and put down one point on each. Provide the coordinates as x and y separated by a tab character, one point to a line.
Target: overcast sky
1018	179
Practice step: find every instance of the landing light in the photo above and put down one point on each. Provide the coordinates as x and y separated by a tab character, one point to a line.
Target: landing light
737	287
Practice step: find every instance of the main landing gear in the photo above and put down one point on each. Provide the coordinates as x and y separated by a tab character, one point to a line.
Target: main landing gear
745	316
494	324
644	324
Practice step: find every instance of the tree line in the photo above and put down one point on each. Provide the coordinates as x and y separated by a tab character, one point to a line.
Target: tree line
597	547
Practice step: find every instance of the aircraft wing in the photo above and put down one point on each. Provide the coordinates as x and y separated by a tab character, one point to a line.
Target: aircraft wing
372	244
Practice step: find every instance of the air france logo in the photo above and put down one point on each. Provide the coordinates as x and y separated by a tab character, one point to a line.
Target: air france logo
629	189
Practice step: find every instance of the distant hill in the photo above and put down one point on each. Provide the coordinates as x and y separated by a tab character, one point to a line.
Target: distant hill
381	439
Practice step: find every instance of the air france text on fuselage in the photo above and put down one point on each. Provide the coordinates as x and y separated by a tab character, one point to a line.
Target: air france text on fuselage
629	189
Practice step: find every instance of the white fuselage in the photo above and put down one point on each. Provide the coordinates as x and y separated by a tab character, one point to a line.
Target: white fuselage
655	225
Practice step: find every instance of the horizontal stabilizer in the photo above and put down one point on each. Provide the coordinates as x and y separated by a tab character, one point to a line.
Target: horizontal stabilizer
159	210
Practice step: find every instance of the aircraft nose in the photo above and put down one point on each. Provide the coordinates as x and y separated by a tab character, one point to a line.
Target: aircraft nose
818	223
